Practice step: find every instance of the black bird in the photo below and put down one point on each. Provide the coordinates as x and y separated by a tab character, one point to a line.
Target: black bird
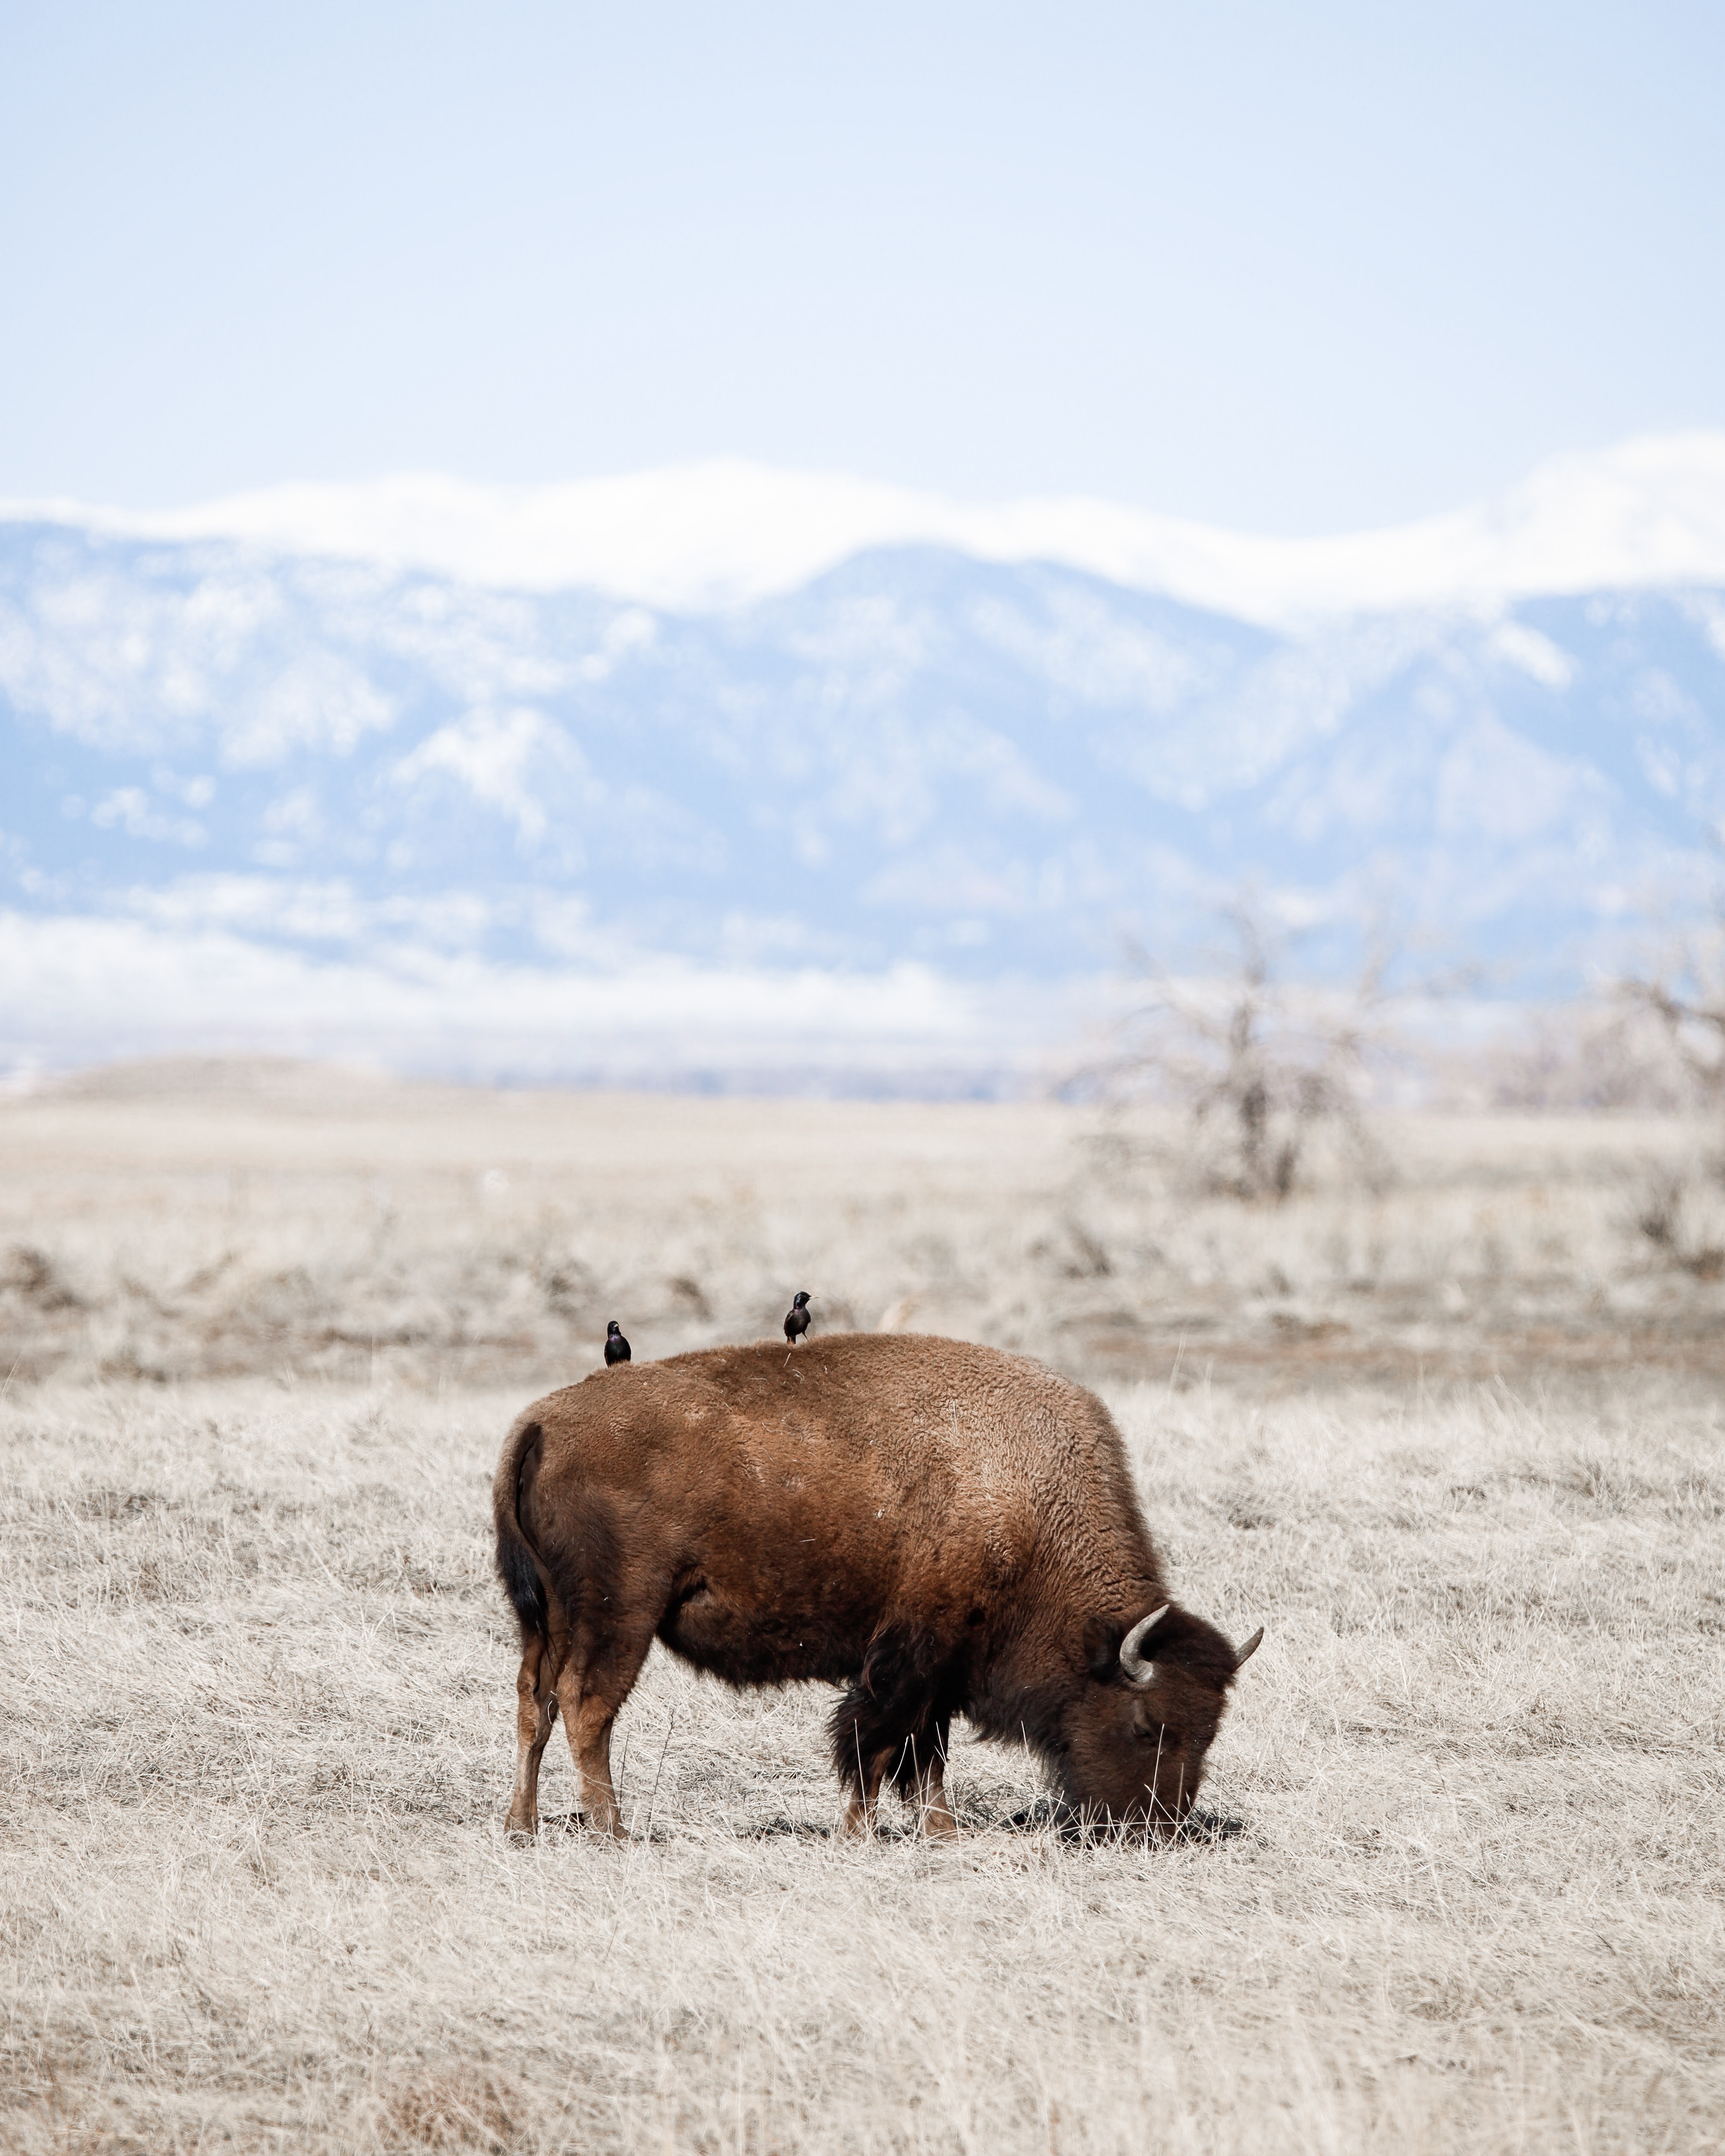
797	1321
616	1346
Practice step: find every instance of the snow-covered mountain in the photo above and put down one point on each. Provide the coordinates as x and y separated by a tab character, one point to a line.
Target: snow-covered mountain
739	771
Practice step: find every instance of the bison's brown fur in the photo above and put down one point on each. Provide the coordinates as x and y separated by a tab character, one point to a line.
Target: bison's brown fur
939	1528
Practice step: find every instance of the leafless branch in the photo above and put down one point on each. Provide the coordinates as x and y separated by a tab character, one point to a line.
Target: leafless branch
1260	1062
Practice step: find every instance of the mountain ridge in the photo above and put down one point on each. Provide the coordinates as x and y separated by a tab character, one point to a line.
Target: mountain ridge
899	821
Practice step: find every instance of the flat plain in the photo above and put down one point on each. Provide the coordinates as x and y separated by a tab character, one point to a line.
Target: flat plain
1458	1442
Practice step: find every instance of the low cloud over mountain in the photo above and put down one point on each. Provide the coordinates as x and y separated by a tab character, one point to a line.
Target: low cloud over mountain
892	819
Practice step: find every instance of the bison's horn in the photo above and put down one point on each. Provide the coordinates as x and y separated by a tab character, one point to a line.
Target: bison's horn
1242	1655
1139	1667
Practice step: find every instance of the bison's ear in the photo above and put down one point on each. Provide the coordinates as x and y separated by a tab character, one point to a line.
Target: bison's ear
1101	1646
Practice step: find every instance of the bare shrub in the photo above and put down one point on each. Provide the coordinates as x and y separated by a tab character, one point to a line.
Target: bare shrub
32	1275
1675	1217
1685	994
1681	1212
1264	1066
1598	1055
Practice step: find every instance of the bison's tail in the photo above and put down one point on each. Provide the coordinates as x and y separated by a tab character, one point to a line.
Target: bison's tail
517	1566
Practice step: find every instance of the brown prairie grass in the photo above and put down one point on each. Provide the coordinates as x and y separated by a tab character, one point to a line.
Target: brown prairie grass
1463	1879
1460	1882
156	1231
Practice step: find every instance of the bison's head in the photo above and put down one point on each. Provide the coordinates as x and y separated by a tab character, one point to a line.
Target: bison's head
1135	1742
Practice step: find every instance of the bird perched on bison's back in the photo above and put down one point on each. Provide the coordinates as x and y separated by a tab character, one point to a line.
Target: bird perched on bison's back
797	1319
616	1346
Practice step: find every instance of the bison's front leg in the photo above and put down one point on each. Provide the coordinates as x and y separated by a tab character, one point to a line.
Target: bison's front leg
933	1813
536	1708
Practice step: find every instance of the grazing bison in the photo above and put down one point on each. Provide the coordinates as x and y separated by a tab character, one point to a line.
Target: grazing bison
942	1529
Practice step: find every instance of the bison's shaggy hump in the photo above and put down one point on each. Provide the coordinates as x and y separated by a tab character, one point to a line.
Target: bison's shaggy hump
939	1528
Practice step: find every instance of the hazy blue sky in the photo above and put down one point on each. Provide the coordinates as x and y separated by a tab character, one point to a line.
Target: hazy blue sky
1289	268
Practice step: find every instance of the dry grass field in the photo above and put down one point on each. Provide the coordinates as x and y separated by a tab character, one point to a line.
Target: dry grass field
1458	1445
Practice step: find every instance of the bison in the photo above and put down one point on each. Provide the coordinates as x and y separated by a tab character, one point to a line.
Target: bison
939	1528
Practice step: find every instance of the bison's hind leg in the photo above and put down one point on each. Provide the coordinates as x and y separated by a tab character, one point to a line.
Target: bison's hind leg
536	1709
592	1686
